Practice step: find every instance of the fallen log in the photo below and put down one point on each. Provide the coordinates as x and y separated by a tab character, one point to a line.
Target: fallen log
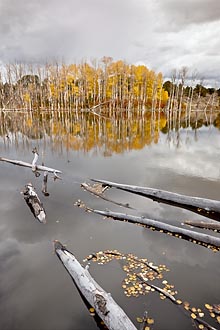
99	193
34	203
178	302
106	308
205	240
206	207
204	225
35	167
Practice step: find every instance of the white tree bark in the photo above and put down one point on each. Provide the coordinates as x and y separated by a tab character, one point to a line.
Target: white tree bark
106	308
34	203
25	164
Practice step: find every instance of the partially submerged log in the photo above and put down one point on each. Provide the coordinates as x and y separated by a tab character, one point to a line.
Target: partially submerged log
206	207
99	193
189	235
204	225
34	203
198	320
106	308
34	162
35	167
44	185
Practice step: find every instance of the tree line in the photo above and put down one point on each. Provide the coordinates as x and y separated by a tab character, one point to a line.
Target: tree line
55	86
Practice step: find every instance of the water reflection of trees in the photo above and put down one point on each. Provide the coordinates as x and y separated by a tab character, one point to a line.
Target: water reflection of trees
103	132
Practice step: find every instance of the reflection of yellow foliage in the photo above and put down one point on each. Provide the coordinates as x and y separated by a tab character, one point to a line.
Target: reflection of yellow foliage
27	97
29	122
80	131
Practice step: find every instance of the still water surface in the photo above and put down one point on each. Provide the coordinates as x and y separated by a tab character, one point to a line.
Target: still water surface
35	290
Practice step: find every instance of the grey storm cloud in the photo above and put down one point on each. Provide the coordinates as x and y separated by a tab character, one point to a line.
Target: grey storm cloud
162	34
183	13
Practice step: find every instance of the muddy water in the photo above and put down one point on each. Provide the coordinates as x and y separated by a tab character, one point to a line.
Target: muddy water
35	290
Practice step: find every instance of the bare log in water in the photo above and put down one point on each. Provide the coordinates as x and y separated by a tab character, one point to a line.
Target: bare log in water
34	162
34	203
195	318
44	185
106	308
203	225
25	164
189	235
206	207
99	193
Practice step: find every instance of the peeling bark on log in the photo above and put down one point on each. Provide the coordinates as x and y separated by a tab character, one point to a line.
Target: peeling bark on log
25	164
34	203
206	207
106	308
189	235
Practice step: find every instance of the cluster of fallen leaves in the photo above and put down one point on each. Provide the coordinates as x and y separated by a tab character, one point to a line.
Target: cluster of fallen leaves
140	273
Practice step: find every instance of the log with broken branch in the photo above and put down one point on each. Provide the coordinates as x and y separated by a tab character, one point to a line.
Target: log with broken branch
25	164
98	190
205	207
106	308
34	203
205	240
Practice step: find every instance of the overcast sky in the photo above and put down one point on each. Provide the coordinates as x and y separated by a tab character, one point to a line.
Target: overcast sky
162	34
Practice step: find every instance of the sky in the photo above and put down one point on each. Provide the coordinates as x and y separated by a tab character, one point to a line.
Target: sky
162	34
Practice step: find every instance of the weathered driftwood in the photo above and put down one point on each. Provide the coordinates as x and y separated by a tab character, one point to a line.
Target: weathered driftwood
25	164
196	319
44	185
99	193
204	225
206	207
34	162
189	235
107	309
34	203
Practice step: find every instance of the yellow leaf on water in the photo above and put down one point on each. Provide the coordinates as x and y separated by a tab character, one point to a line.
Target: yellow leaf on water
208	306
193	316
150	321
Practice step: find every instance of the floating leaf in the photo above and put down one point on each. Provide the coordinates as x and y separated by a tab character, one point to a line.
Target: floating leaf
179	302
193	316
208	306
150	320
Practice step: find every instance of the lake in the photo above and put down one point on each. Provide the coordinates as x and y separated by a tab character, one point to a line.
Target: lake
141	149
